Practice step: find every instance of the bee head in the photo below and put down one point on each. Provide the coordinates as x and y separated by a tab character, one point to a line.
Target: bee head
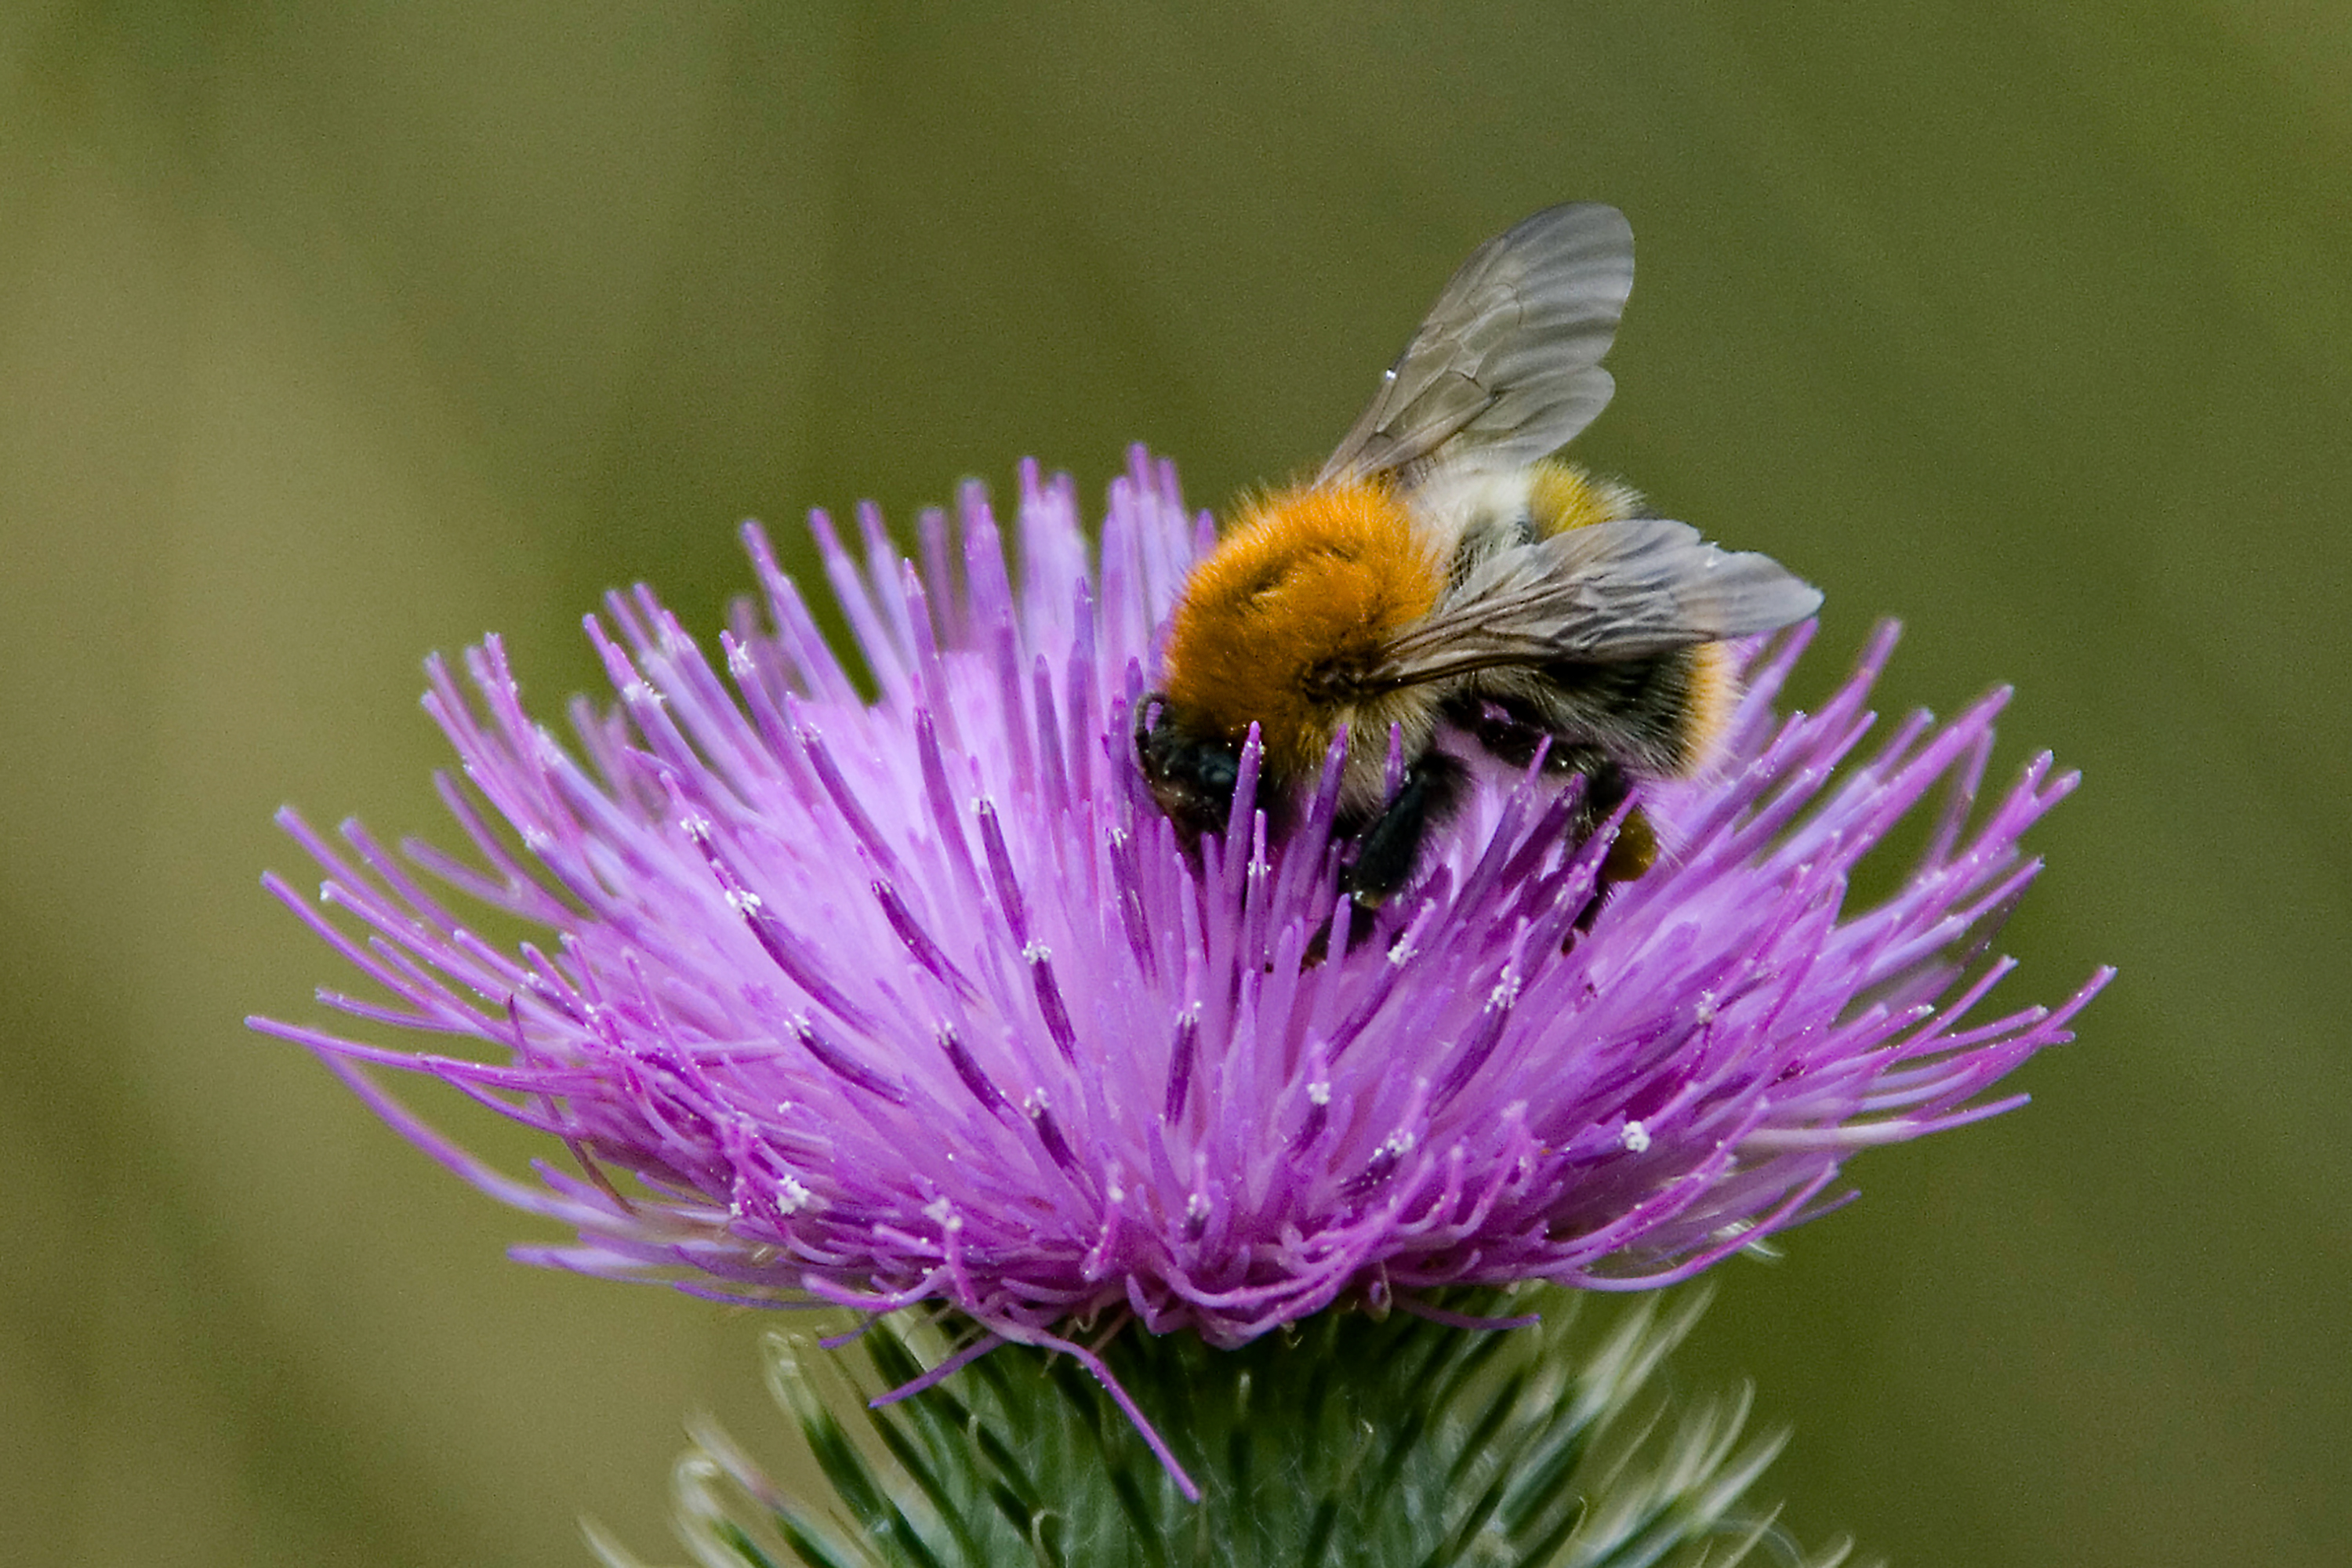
1192	773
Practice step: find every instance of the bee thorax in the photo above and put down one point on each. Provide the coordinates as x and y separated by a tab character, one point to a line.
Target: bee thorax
1280	624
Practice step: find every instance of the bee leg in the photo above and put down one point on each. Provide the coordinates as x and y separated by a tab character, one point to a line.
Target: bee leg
1390	846
1634	851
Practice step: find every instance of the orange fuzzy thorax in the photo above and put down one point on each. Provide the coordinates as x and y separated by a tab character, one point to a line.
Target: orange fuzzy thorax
1308	582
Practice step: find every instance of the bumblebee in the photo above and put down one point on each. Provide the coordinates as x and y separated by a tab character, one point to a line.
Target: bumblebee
1444	588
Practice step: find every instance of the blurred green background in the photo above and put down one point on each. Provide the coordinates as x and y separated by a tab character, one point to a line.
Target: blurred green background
332	334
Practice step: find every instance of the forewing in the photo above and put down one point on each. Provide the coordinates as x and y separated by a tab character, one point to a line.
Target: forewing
1506	367
1610	591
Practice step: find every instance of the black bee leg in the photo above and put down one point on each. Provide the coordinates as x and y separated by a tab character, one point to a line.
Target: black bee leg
1389	848
1634	849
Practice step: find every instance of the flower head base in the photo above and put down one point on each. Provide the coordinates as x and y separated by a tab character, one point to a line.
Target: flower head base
921	998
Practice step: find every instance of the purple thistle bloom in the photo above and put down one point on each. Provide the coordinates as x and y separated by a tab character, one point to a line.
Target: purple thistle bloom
921	1000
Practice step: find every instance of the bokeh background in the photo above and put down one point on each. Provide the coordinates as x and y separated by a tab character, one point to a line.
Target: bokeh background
330	334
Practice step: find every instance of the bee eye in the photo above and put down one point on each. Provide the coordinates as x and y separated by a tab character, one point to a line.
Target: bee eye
1218	773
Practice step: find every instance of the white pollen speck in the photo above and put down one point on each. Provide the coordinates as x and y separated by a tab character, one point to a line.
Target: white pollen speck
738	660
1400	1143
1319	1091
696	826
1196	1206
1507	990
743	901
1402	953
1704	1011
1117	1195
1117	836
640	691
1037	952
538	838
1634	1137
1036	1103
790	1196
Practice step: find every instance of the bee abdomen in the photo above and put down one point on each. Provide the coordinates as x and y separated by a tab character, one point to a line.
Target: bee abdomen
1561	496
1655	717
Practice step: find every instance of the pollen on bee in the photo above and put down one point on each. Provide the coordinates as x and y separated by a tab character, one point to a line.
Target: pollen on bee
1308	585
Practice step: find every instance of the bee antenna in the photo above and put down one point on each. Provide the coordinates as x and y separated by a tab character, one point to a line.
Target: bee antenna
1147	708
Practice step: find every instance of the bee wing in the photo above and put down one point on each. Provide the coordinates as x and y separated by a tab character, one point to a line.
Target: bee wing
1610	591
1507	366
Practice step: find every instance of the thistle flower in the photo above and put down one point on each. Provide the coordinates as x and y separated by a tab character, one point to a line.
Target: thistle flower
919	999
